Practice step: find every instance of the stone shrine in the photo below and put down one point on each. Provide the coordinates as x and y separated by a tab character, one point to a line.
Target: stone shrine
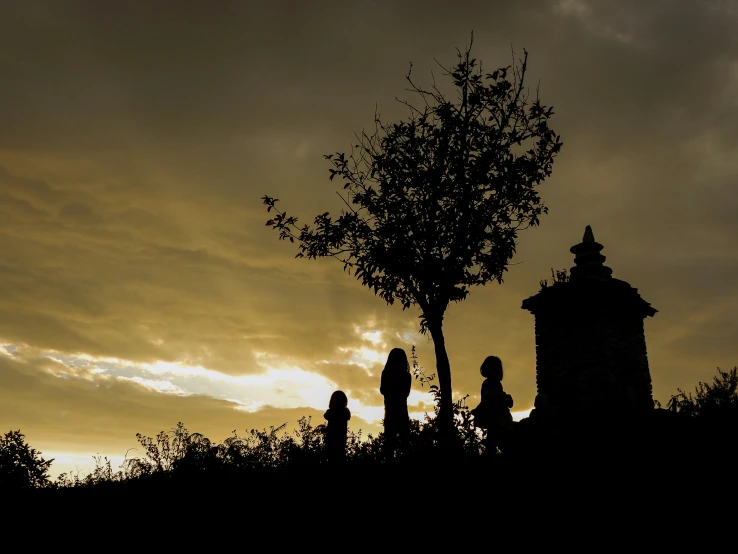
590	343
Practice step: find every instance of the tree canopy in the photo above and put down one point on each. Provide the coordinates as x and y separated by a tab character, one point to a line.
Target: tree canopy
21	467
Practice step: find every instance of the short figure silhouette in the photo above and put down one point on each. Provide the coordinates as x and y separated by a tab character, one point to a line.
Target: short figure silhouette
337	416
493	412
395	387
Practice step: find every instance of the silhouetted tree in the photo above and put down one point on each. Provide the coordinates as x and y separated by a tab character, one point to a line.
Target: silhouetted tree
434	203
21	467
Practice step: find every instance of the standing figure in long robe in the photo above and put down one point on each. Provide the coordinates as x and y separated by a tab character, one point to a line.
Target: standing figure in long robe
395	387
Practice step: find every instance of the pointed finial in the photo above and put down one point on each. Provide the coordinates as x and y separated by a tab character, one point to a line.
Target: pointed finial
589	263
588	235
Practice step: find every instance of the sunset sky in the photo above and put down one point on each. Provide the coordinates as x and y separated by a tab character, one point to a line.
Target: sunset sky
141	287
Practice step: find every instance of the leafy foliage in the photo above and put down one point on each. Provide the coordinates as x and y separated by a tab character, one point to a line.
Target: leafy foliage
434	203
21	467
420	375
557	276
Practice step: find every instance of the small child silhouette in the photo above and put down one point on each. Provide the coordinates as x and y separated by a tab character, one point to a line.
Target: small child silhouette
337	416
493	412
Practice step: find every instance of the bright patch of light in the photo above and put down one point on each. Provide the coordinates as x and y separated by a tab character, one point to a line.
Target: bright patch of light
80	464
156	385
375	337
517	416
363	357
408	337
370	414
419	397
98	360
70	368
318	395
248	408
285	387
281	384
173	368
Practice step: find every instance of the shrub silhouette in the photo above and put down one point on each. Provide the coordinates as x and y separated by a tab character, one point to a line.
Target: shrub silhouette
21	467
181	454
711	402
709	415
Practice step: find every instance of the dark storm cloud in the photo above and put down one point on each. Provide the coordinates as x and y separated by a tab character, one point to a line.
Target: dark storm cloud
137	139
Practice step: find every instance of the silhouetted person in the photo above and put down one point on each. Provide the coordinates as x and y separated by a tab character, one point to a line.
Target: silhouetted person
395	387
493	412
337	416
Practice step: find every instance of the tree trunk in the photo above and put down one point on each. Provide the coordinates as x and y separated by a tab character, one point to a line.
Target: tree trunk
443	368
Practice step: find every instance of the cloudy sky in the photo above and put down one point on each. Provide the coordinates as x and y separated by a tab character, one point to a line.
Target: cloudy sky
140	286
